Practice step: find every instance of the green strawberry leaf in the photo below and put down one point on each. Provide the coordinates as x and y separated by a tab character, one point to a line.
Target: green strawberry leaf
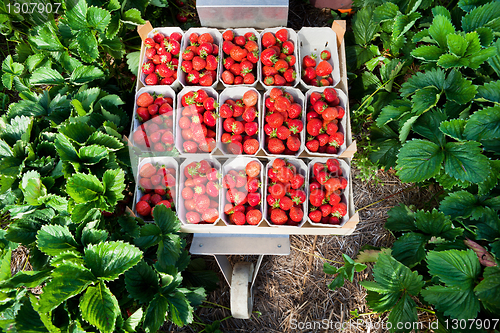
84	188
483	124
180	311
489	92
364	27
401	218
428	52
46	76
68	280
386	12
440	28
150	235
32	188
90	155
409	249
98	18
419	160
100	308
76	14
85	74
111	259
11	67
55	239
114	185
131	324
468	5
436	224
132	16
155	313
481	16
465	162
458	270
488	290
141	282
87	45
453	128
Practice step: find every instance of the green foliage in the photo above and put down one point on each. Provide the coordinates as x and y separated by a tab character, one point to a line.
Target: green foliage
345	272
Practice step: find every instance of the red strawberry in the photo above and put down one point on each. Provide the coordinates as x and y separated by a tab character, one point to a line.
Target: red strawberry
148	67
228	35
235	147
251	128
290	75
193	217
199	63
336	140
145	99
268	40
339	210
324	68
227	77
249	78
252	185
253	216
316	197
297	181
278	216
315	216
210	118
246	67
281	65
212	62
206	79
312	145
238	218
282	35
286	203
268	57
296	214
269	71
238	53
249	114
295	125
330	95
298	196
210	215
279	80
143	208
190	146
287	47
275	120
143	114
325	55
282	132
277	190
334	199
269	80
193	77
323	139
254	199
275	146
314	126
212	189
309	61
293	143
147	170
341	112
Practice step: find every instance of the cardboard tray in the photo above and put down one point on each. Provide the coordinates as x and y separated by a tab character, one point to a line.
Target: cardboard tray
349	227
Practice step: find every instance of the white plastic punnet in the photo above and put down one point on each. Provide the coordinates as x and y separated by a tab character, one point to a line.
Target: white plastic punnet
301	169
181	208
346	172
165	31
165	91
292	36
168	162
313	41
342	124
179	140
298	97
217	36
241	32
240	163
235	93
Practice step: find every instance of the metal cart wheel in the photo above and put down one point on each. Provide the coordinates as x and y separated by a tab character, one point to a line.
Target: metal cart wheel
241	290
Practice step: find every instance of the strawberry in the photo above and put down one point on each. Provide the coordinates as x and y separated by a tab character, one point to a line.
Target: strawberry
249	78
199	63
249	114
268	40
336	140
323	139
193	217
227	77
330	95
315	216
325	209
339	210
254	199
252	185
238	53
333	165
235	69
343	182
278	216
238	127
285	203
253	216
312	145
277	190
193	77
190	146
206	79
240	40
145	99
297	181
210	118
252	169
325	55
293	143
282	132
269	71
212	63
268	57
287	47
282	35
235	147
275	120
147	170
202	203
324	68
281	65
279	80
150	52
309	74
238	218
334	198
296	214
316	197
298	196
341	112
210	215
295	125
269	80
309	61
205	38
251	128
228	35
246	67
314	126
148	67
143	114
143	208
290	75
331	128
275	146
